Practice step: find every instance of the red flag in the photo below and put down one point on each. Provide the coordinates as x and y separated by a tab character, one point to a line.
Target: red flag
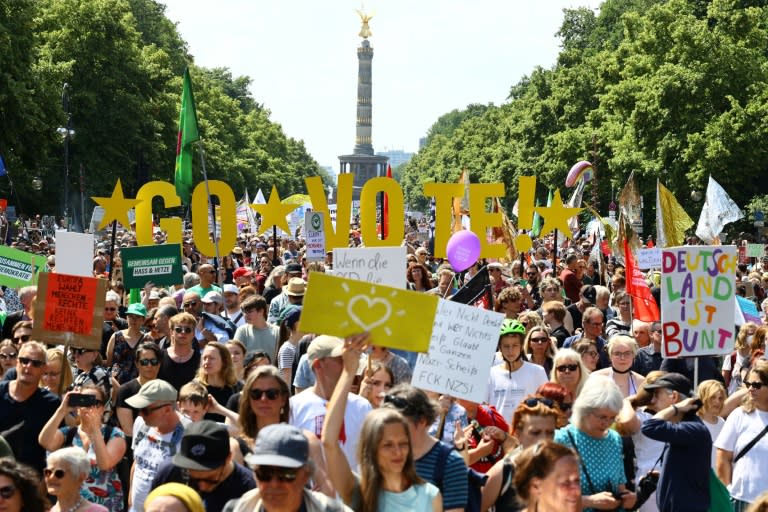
643	304
385	220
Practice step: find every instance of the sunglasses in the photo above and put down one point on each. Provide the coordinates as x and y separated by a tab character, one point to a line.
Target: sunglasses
185	330
567	368
57	473
34	362
272	393
22	338
533	402
146	411
80	351
268	473
190	304
146	362
7	491
753	385
5	357
565	407
110	309
540	340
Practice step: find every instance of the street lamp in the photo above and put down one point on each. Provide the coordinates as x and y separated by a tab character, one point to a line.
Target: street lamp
66	134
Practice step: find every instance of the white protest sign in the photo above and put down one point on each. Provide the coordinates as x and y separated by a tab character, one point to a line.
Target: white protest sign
314	235
754	250
461	351
377	265
74	253
649	258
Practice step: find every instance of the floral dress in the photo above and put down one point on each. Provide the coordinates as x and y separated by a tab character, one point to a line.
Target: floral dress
124	357
102	487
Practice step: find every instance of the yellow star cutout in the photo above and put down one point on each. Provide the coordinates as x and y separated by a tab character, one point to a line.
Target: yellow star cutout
556	216
274	212
116	207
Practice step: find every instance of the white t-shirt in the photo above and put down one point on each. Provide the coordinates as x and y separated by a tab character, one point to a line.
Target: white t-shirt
506	391
714	432
748	477
308	412
647	452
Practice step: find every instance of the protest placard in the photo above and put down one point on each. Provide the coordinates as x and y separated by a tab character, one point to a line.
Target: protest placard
377	265
74	253
649	258
314	235
69	310
160	264
749	310
697	300
16	267
461	351
395	318
755	250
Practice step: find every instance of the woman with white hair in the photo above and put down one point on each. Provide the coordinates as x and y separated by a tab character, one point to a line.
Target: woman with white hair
603	482
65	473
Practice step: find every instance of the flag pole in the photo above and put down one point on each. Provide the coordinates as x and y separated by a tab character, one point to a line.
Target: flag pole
212	207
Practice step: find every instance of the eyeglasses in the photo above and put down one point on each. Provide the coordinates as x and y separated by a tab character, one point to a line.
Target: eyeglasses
185	330
754	385
268	473
591	353
605	418
5	357
533	402
34	362
567	368
56	473
622	355
190	304
146	411
7	492
110	309
272	393
80	351
23	338
540	339
146	362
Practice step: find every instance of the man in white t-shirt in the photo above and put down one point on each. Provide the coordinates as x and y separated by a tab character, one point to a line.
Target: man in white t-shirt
308	407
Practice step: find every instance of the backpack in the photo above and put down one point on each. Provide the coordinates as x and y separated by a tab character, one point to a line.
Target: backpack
475	480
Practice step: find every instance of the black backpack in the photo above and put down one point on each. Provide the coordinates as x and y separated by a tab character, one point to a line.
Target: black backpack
475	479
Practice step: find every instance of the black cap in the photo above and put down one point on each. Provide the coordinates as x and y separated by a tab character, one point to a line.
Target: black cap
293	268
204	447
590	294
673	382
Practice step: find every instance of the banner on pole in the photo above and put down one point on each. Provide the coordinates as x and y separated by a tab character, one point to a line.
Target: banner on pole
160	264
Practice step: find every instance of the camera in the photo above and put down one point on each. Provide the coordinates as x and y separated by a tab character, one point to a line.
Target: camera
82	400
645	487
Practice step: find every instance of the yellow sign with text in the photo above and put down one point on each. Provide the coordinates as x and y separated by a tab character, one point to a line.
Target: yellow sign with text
395	318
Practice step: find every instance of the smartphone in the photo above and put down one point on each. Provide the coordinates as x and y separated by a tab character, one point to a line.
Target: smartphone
82	400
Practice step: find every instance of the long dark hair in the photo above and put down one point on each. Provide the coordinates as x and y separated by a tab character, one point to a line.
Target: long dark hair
29	484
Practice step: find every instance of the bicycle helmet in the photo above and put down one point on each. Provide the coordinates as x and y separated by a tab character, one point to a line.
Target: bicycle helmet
509	326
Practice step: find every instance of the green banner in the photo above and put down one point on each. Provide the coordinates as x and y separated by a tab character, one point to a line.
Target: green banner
160	264
16	267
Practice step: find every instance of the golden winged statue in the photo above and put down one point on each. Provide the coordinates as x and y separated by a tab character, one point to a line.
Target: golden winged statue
365	30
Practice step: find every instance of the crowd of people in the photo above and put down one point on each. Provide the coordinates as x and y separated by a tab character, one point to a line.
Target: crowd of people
208	395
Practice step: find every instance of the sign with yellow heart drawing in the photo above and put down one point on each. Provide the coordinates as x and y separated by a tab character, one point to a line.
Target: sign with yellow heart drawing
395	318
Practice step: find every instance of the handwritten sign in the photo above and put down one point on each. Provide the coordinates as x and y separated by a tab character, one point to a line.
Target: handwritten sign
755	250
160	264
395	318
69	310
649	258
16	267
74	253
461	350
377	265
697	300
314	235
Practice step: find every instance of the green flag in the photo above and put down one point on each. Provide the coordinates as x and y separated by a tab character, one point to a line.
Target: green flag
536	229
187	135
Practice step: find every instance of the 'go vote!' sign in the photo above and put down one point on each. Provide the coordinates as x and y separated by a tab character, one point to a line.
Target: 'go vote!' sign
697	300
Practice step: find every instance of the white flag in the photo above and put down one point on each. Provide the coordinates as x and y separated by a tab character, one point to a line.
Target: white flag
718	210
259	199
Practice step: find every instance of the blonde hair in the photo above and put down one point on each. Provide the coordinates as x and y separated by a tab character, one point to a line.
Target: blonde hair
55	354
227	371
707	390
568	354
622	339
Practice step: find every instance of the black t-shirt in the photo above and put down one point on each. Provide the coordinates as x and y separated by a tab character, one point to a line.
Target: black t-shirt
240	481
126	391
178	374
222	395
576	315
233	403
29	416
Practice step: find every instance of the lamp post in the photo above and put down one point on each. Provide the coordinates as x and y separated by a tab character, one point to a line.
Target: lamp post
67	134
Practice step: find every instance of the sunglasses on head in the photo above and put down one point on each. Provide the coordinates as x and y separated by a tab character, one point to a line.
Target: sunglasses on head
7	492
534	401
146	362
34	362
754	385
272	393
567	367
23	338
268	473
399	402
56	473
80	351
185	330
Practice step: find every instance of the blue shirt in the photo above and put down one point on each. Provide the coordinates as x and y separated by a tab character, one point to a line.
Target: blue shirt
455	485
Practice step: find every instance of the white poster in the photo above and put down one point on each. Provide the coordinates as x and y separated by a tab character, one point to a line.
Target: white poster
649	258
461	351
314	235
377	265
74	253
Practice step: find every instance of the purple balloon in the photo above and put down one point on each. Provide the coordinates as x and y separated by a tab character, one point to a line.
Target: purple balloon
463	250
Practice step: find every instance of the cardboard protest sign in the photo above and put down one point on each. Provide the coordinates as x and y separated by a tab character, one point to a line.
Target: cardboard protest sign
69	310
16	267
377	265
697	300
649	258
160	264
314	235
755	250
395	318
461	351
74	253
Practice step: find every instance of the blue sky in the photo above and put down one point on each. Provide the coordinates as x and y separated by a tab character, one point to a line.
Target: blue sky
430	57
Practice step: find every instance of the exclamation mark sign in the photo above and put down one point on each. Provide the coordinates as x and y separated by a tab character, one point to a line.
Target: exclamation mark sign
525	200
